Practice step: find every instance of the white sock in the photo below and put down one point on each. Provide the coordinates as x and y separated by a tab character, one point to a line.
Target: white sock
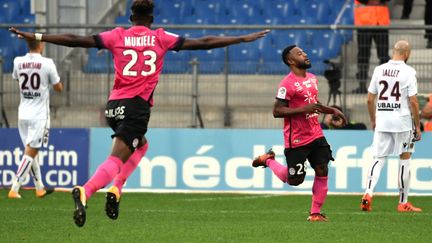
404	179
23	170
36	174
374	174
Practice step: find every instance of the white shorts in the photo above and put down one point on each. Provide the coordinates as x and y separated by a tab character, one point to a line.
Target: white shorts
392	143
34	132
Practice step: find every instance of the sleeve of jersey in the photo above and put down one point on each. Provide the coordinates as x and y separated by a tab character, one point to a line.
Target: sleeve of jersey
412	87
284	93
14	72
54	77
171	41
105	40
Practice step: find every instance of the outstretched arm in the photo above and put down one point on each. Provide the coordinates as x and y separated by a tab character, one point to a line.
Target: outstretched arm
70	40
210	42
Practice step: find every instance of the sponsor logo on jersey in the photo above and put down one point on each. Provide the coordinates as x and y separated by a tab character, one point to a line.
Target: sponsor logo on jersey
30	94
384	106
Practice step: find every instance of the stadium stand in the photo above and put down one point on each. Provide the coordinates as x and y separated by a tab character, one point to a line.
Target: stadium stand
13	11
320	45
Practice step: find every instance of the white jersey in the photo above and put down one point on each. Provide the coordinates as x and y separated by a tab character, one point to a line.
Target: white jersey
35	74
394	82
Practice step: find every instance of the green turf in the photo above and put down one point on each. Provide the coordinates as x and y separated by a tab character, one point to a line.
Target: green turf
146	217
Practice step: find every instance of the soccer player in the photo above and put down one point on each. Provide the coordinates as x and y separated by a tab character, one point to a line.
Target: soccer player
297	103
35	75
138	54
393	116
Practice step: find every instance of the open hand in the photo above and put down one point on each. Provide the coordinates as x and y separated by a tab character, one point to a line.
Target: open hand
22	34
254	36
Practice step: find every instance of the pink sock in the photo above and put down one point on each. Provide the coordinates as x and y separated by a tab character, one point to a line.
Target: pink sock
129	167
279	170
104	174
319	193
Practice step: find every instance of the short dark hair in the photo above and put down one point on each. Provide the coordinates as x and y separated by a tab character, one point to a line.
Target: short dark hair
142	8
285	53
33	45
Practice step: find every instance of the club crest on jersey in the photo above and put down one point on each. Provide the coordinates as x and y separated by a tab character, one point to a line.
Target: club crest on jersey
281	93
310	98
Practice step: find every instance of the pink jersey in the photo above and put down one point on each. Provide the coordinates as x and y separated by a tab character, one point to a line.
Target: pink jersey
138	54
300	129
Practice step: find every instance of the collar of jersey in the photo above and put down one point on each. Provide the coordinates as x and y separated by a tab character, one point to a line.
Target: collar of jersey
396	61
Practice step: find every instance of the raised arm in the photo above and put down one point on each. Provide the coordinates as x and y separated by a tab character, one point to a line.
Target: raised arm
210	42
69	40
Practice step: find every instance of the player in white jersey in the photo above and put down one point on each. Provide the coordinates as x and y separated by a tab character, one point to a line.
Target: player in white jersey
35	74
395	119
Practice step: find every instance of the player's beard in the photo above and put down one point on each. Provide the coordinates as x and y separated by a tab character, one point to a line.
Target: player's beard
304	65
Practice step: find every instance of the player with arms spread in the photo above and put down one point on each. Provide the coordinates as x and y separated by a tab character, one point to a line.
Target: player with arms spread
393	116
297	103
138	59
35	75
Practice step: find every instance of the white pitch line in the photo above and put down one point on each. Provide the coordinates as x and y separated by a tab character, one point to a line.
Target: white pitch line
228	198
260	211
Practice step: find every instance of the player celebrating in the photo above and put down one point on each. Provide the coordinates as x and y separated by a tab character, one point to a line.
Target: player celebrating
297	103
138	59
35	74
392	118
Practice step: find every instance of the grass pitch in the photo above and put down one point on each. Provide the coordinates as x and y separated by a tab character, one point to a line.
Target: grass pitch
146	217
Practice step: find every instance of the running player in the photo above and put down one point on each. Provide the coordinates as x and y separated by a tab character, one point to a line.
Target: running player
35	75
296	102
138	59
393	116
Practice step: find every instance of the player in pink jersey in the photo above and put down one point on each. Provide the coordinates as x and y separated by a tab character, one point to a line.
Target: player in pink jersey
297	103
138	59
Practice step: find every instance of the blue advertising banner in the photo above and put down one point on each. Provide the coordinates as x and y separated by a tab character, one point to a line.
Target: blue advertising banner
64	163
220	160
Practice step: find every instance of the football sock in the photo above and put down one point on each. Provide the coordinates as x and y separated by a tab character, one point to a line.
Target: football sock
36	174
319	193
279	170
404	180
373	175
129	166
104	174
23	169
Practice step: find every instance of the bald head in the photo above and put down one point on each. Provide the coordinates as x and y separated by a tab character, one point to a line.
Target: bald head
401	50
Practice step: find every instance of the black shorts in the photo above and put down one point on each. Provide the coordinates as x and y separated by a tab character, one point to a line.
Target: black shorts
128	118
317	153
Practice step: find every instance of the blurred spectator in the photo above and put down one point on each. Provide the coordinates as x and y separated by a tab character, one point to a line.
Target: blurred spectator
428	21
370	13
334	122
407	7
427	114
